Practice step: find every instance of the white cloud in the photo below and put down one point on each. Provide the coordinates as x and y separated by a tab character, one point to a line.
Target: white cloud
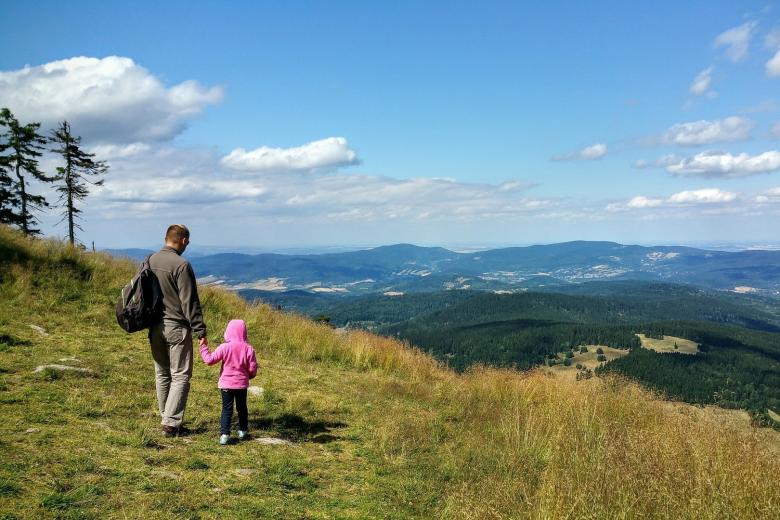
736	40
722	164
703	196
325	153
773	65
694	133
769	196
111	100
589	153
772	42
707	196
661	162
514	186
105	152
701	83
644	202
177	190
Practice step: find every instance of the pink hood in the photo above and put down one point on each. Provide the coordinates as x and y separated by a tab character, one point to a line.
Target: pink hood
236	331
239	363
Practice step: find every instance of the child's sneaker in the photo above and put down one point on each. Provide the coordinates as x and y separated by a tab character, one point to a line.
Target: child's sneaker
242	435
224	439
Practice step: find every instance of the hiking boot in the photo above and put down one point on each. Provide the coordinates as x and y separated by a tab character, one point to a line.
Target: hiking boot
170	431
224	439
242	435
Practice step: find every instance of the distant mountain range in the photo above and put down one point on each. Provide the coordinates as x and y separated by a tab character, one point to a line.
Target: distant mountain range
407	268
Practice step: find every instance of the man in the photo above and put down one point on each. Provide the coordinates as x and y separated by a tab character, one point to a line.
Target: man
171	338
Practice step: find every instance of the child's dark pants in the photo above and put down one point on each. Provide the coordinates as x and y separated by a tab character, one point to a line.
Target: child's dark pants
228	395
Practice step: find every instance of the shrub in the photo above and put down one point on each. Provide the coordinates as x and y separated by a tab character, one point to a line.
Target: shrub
601	357
569	355
583	350
599	350
567	362
579	366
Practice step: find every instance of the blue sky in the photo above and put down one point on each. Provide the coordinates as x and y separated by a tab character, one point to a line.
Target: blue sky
457	122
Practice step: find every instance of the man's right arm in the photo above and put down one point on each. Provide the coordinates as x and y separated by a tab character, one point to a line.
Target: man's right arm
190	303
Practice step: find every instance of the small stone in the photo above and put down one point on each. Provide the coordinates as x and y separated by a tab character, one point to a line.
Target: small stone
216	490
32	430
255	390
39	330
273	441
244	472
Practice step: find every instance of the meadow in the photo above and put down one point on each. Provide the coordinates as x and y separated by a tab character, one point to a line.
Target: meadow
376	428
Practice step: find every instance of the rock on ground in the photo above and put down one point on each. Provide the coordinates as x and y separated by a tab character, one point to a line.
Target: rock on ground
41	368
39	330
273	441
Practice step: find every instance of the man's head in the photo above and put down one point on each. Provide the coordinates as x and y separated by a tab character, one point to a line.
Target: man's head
177	237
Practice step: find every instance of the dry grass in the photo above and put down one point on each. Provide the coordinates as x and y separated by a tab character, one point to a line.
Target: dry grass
667	344
410	438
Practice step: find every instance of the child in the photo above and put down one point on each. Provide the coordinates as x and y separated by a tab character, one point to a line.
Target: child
239	365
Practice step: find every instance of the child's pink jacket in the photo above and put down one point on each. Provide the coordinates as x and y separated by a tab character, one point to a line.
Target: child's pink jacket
239	363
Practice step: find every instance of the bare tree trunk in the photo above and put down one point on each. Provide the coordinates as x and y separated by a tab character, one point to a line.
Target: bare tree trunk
19	176
69	185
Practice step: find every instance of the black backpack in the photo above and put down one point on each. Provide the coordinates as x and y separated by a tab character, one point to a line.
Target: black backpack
140	305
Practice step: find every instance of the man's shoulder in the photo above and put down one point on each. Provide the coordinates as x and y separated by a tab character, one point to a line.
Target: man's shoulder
167	259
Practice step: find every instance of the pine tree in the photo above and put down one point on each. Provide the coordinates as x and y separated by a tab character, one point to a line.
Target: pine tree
21	147
9	202
73	178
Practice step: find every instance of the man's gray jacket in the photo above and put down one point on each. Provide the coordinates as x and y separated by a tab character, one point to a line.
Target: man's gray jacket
180	292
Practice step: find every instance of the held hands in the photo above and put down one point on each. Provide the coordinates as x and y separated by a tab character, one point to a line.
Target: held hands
203	342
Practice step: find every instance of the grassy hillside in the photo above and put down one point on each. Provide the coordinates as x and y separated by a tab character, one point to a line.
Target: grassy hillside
378	430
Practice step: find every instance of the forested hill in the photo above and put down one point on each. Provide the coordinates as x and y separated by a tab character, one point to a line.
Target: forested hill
593	302
738	335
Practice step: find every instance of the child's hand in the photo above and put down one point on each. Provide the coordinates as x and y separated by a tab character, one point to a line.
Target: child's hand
203	342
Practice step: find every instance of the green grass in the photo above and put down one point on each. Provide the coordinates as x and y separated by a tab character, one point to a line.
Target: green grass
379	429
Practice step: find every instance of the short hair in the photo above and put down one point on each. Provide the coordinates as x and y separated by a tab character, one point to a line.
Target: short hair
176	233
